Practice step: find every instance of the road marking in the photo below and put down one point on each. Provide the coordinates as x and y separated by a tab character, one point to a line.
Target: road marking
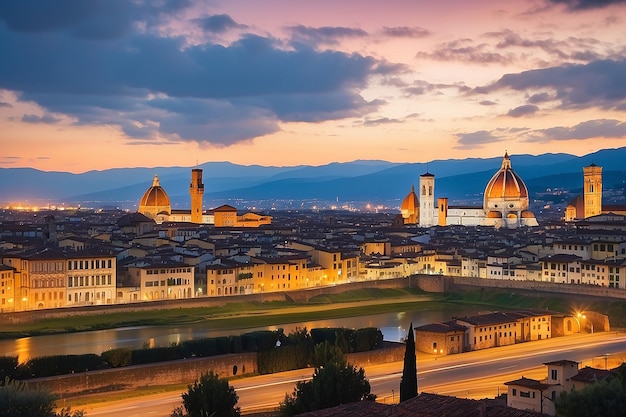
507	367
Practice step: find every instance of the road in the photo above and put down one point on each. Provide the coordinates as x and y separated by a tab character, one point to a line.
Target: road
476	374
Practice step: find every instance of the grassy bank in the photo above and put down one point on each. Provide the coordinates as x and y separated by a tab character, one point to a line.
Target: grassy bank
329	306
235	315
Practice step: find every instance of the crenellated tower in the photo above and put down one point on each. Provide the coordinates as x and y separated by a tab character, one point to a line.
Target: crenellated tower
196	191
592	192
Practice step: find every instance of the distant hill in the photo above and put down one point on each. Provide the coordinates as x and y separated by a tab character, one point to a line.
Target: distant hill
357	182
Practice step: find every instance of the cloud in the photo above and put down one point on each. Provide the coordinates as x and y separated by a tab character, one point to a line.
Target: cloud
329	35
586	4
405	32
464	50
93	19
525	110
589	130
421	87
597	84
488	103
207	92
3	104
219	23
46	118
475	139
540	98
387	120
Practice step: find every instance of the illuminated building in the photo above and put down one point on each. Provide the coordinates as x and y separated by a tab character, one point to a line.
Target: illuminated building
7	289
163	281
505	203
410	208
196	191
155	204
589	203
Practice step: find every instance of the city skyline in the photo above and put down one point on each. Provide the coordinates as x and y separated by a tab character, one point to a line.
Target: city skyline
107	84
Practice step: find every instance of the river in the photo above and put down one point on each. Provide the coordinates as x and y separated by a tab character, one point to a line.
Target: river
393	326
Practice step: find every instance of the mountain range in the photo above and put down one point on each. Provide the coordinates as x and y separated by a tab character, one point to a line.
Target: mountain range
550	178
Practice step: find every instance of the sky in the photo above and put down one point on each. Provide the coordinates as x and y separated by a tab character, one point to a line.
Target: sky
99	84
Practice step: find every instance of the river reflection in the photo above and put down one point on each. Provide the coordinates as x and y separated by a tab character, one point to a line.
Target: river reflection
393	326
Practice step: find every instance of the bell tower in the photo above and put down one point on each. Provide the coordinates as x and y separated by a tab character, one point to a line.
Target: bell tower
592	176
196	191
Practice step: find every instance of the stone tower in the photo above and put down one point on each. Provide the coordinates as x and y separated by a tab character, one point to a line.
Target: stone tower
592	183
196	191
427	200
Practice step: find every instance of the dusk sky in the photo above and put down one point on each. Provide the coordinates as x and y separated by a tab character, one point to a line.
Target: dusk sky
98	84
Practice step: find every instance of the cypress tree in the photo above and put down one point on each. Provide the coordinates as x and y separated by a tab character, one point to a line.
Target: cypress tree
408	383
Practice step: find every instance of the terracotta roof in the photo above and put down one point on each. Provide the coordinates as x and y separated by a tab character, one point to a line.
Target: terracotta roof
590	375
529	383
424	405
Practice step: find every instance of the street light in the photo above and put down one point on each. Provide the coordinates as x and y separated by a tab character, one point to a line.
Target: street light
577	317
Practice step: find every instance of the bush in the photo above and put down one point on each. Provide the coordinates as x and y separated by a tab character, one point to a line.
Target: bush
365	339
259	341
284	358
61	364
199	347
209	396
118	357
158	354
8	367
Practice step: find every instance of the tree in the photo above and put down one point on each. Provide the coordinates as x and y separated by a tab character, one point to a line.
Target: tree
604	398
408	383
17	399
335	383
209	396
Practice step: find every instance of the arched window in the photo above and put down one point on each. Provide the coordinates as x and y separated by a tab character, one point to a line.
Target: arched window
423	190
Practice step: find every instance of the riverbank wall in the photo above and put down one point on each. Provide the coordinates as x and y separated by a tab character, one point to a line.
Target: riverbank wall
184	371
428	283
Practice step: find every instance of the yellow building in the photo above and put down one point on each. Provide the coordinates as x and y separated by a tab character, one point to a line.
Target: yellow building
7	289
168	281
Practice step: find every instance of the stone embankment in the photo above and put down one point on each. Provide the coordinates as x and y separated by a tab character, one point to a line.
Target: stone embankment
184	371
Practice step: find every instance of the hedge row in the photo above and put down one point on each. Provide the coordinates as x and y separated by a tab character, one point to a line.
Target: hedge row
276	352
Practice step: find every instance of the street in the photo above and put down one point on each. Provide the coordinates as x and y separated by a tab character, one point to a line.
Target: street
476	374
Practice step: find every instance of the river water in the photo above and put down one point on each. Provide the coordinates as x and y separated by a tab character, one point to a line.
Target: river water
393	326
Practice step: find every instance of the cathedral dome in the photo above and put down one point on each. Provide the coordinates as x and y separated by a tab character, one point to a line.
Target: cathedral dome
506	191
506	183
155	201
410	207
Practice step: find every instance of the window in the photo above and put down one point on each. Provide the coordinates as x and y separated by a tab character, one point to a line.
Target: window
514	392
554	374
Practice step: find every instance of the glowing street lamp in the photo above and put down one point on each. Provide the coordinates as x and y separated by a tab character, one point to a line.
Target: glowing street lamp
578	317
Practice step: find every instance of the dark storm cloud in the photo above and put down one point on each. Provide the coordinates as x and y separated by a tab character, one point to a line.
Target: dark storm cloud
525	110
599	83
324	35
216	93
219	23
475	139
586	4
405	32
589	130
93	19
